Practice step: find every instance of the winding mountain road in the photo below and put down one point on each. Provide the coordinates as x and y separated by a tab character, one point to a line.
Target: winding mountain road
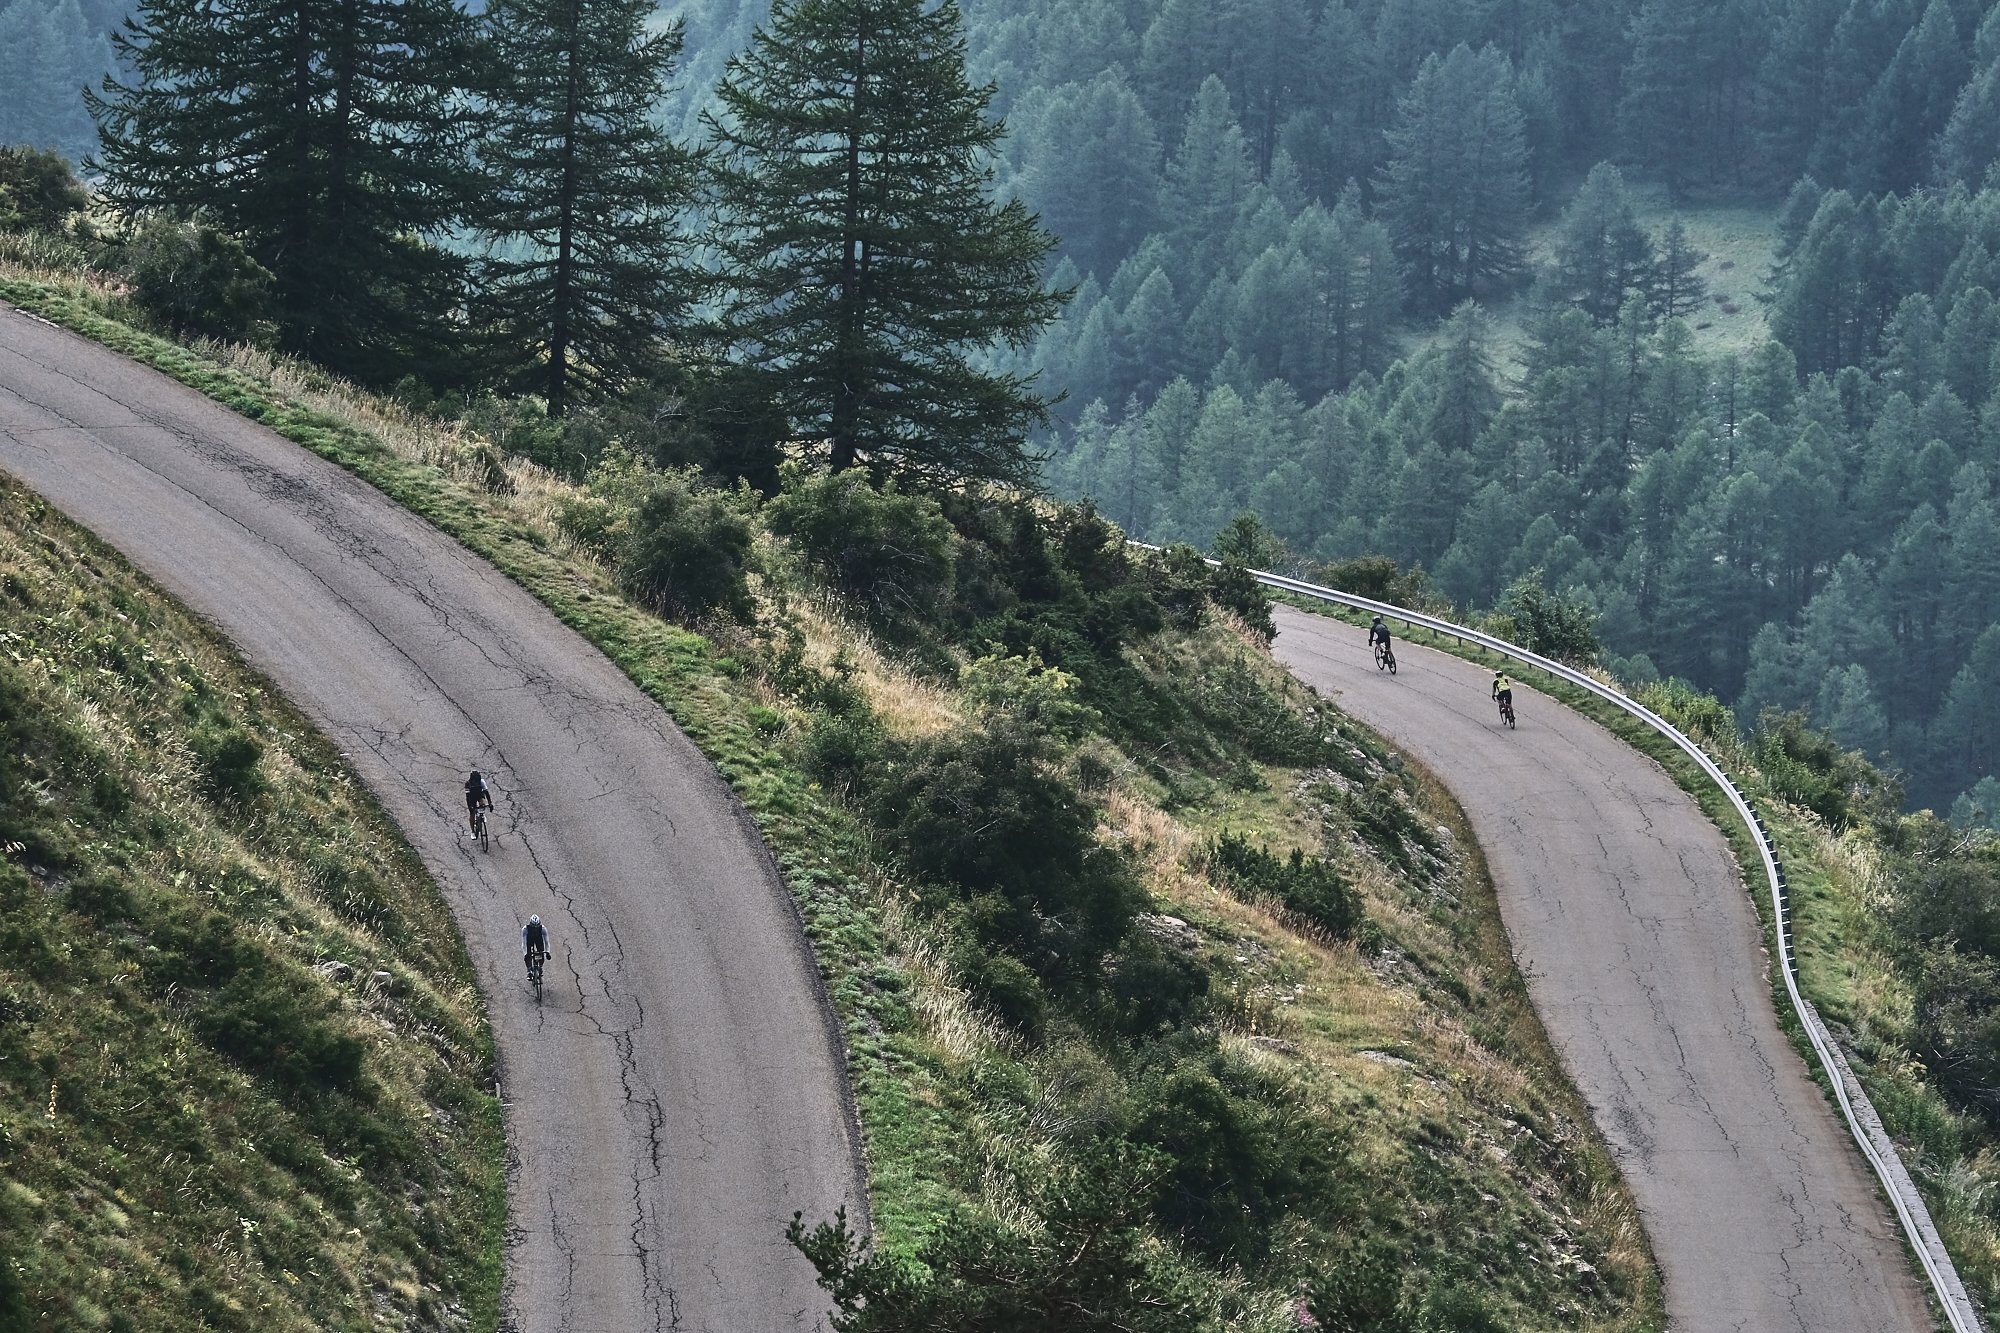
681	1089
1645	960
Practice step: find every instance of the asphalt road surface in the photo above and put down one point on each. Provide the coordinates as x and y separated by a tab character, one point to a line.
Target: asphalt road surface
1645	959
680	1090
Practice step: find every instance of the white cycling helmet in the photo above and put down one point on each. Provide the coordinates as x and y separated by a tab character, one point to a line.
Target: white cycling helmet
534	921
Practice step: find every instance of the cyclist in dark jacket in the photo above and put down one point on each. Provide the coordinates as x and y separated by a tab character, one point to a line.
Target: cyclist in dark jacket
477	794
534	941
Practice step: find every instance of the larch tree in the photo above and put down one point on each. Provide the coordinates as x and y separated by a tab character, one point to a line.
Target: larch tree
865	266
330	136
1602	254
1090	162
1454	193
1677	287
586	194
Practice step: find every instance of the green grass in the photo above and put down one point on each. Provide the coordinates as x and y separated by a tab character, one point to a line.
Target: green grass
1468	1155
1739	240
212	1113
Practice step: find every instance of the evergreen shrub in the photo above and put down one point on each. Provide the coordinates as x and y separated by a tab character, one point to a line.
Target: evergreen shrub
38	191
894	553
1308	886
196	279
687	552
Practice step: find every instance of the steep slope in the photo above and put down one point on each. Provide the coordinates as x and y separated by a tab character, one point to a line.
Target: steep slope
245	1078
1255	1099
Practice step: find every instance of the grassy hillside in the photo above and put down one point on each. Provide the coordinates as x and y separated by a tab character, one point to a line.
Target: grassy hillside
242	1059
1269	1078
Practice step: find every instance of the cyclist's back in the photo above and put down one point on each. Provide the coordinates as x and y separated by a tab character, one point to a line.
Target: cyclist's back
534	940
477	794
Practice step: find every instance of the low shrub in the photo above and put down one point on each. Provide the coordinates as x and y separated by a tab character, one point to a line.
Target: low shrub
264	1021
678	547
1090	1262
38	190
1379	579
840	746
981	815
227	757
687	552
1241	1155
1025	692
1952	898
894	554
1559	625
1809	768
523	426
1308	886
1234	588
196	279
1955	1027
1153	987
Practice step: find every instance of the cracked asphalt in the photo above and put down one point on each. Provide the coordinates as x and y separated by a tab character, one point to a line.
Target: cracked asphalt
1645	959
681	1089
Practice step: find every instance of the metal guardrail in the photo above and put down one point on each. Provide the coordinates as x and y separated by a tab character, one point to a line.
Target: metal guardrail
1862	1121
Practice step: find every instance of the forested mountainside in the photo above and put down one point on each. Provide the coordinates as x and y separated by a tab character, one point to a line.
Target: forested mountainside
49	51
1262	204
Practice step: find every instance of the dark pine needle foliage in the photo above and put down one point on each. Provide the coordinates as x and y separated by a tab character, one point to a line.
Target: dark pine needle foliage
866	263
329	137
587	194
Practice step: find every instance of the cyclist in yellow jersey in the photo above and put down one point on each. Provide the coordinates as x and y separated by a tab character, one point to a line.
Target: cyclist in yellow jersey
1503	689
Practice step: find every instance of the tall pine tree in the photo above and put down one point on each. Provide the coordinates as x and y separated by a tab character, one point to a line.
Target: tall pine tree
1602	254
330	136
586	193
1455	191
864	263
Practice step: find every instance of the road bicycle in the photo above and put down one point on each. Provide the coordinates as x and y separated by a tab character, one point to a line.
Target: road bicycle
1507	712
535	961
1385	658
479	829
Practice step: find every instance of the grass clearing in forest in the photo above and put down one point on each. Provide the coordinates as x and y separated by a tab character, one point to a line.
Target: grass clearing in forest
1739	239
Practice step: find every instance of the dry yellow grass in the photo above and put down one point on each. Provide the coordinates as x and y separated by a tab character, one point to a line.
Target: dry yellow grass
907	705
